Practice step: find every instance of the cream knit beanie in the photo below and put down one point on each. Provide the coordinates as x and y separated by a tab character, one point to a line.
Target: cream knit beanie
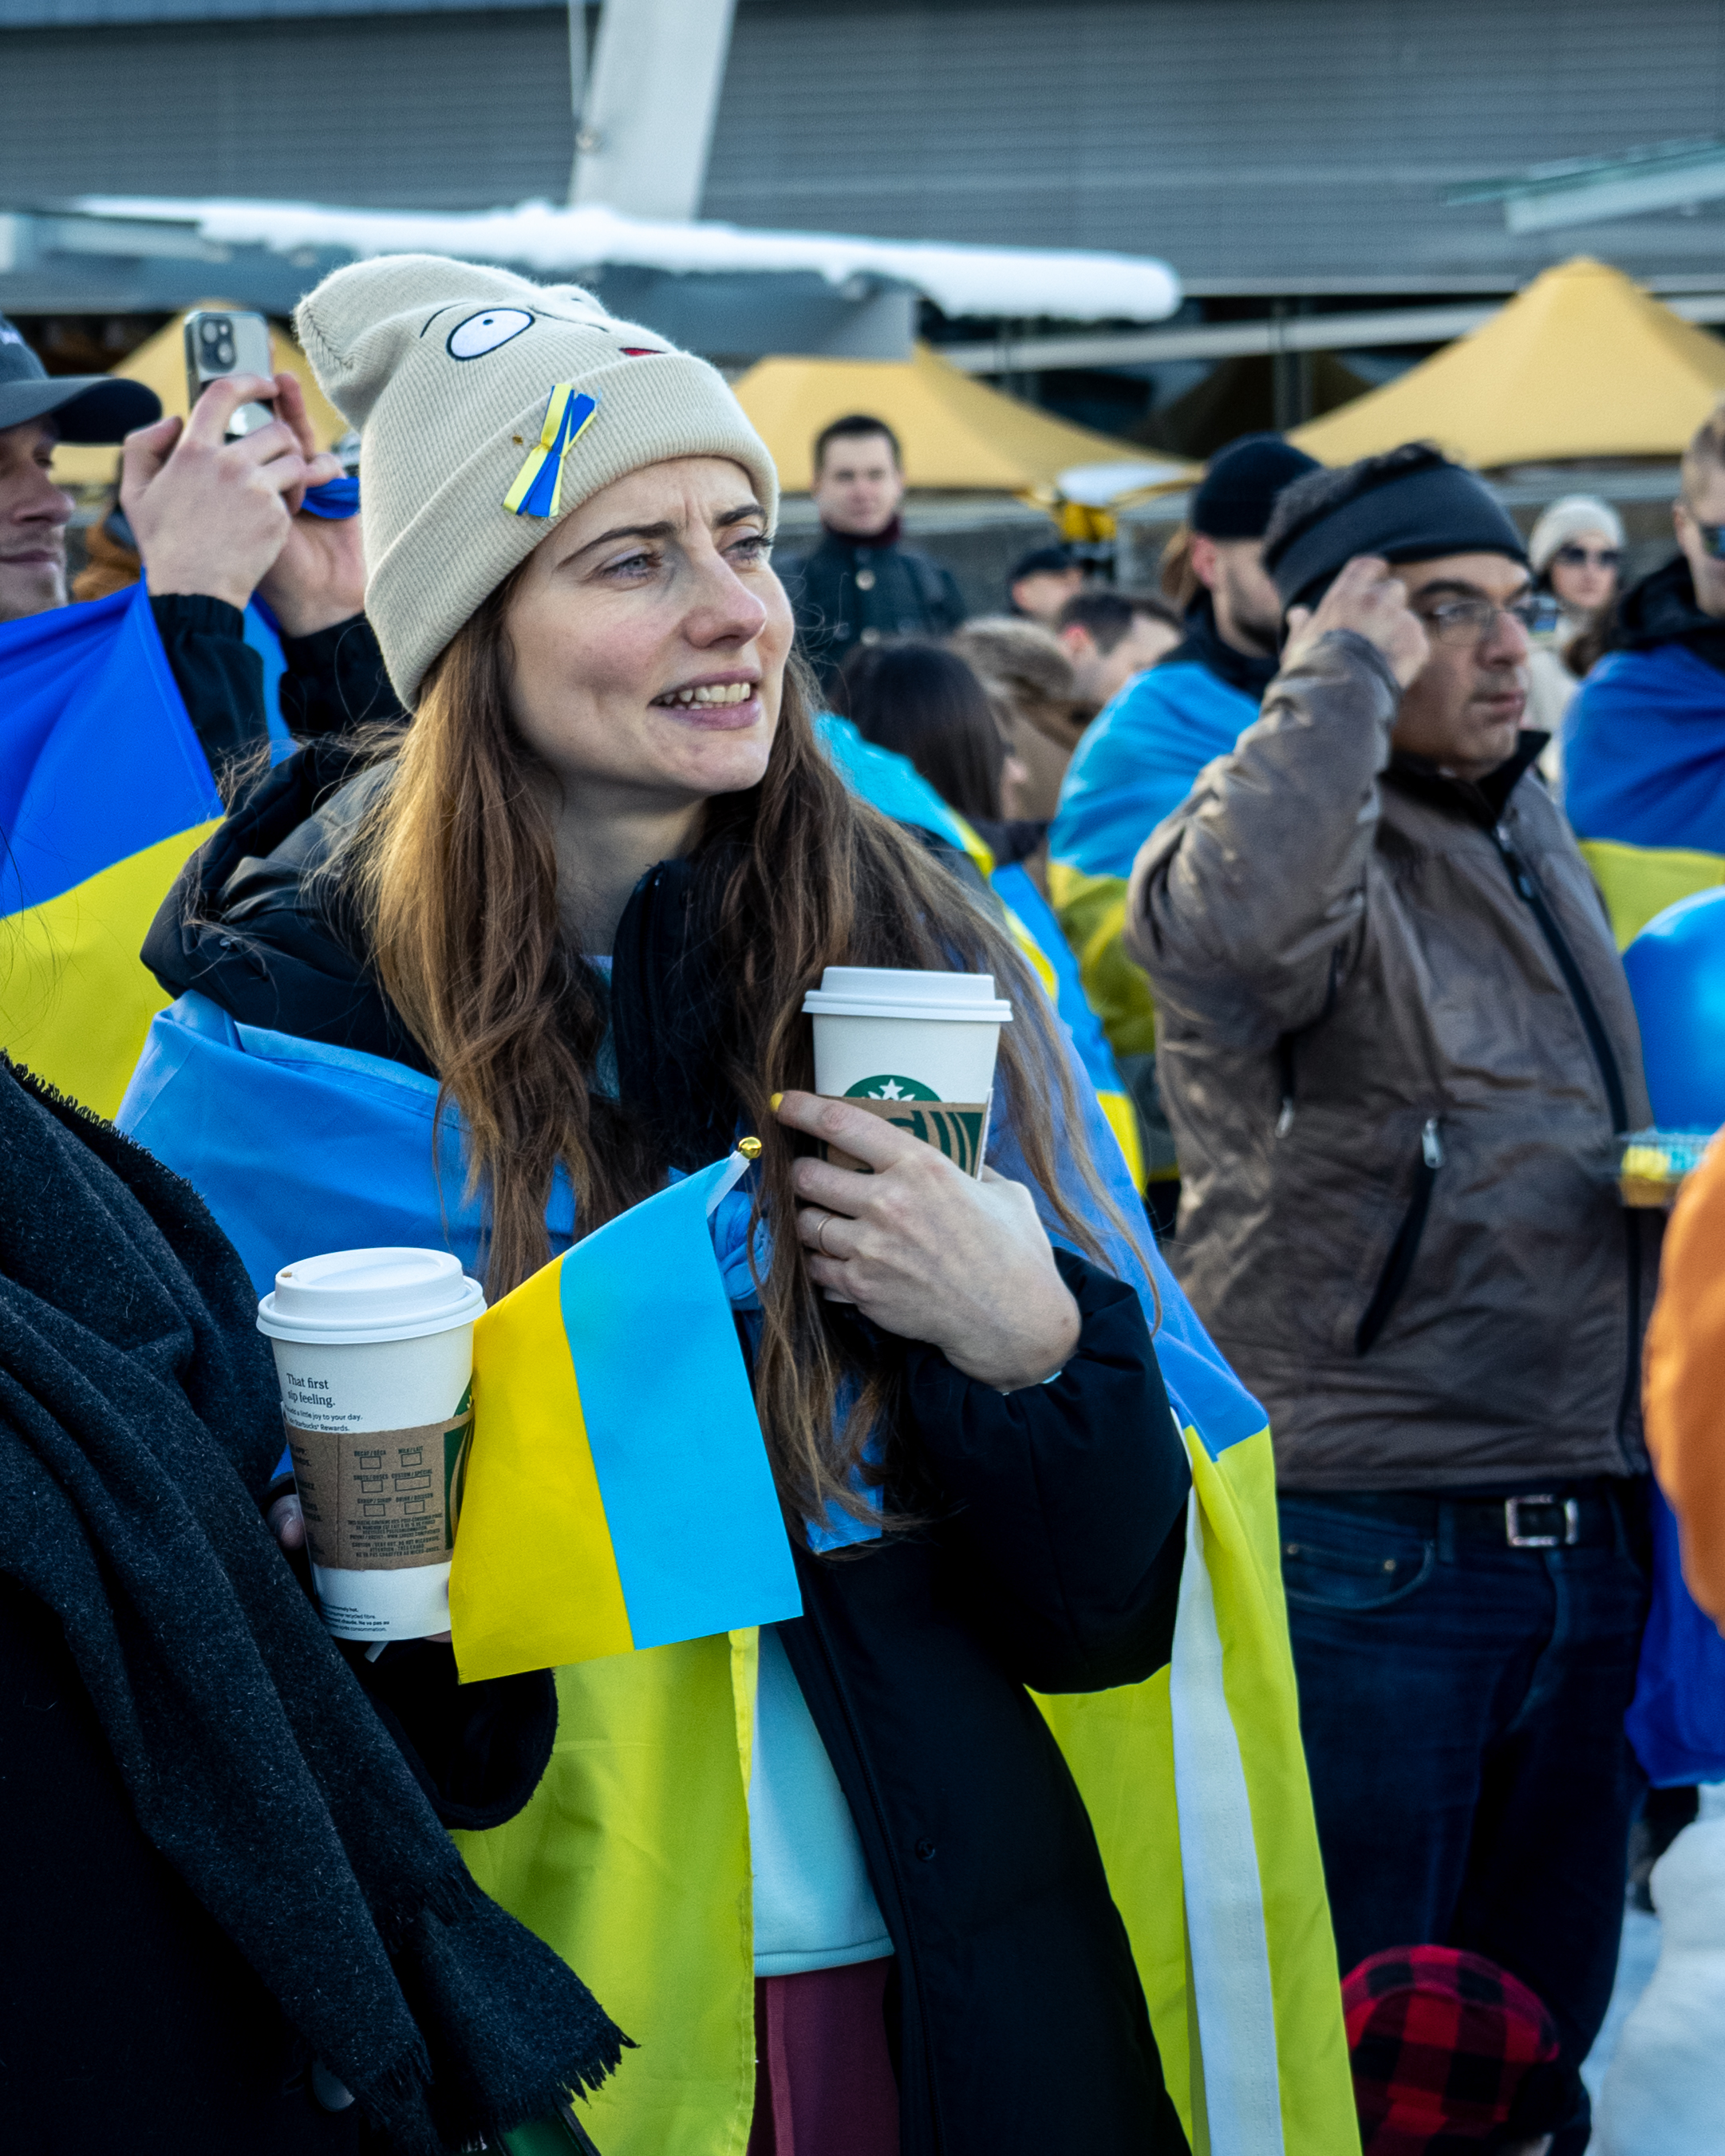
489	407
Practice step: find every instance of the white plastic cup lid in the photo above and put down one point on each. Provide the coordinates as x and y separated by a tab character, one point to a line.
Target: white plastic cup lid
906	992
363	1295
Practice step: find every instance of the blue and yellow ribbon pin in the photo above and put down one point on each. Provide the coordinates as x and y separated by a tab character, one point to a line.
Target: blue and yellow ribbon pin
539	484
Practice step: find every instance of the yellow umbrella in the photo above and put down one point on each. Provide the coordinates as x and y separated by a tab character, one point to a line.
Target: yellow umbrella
1582	363
956	431
160	363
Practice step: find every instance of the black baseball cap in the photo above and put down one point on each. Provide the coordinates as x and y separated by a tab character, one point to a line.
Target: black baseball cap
84	408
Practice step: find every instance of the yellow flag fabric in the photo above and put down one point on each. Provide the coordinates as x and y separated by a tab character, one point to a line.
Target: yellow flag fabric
633	1861
1637	882
77	1000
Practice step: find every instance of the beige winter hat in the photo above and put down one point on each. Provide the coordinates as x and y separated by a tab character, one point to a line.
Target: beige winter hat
489	406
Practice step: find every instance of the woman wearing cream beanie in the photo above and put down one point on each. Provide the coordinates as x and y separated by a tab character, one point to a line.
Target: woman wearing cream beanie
838	1883
1576	553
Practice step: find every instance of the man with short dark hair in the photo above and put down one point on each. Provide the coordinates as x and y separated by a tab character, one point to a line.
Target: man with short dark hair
1040	583
1398	1052
1644	738
861	583
1111	635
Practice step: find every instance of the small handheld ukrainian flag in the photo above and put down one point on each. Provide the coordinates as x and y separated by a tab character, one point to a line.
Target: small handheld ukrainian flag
618	1494
105	790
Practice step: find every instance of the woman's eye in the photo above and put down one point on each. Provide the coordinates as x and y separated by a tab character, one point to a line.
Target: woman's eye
752	547
482	333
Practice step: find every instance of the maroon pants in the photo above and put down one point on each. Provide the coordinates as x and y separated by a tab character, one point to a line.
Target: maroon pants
824	2079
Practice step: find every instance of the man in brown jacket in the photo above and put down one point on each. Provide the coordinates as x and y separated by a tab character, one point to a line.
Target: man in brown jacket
1397	1048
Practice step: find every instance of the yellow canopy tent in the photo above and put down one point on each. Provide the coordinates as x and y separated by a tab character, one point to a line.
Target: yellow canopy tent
1582	363
160	363
956	433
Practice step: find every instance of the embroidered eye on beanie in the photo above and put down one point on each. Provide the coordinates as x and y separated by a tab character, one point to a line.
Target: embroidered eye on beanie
489	406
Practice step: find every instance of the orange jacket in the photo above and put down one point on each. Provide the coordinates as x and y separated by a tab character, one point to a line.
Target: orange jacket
1683	1386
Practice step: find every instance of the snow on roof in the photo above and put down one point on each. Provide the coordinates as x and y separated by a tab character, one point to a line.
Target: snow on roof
1019	282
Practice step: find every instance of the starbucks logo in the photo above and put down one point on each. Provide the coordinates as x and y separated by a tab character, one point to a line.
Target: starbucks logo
890	1088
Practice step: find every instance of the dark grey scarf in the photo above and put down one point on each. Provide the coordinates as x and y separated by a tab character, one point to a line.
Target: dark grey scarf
138	1421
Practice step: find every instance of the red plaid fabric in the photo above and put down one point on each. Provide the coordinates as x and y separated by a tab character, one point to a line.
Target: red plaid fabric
1440	2043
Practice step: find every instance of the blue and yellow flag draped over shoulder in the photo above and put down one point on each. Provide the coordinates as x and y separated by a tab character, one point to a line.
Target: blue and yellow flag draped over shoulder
618	1495
103	792
892	784
633	1859
1644	780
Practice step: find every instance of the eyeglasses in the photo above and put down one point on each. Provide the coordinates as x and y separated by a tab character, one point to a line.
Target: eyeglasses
1471	621
1584	557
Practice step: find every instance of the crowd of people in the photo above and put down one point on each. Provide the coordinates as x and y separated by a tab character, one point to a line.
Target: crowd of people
1306	875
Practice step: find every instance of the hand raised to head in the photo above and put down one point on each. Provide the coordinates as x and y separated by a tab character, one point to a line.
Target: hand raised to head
1367	598
927	1252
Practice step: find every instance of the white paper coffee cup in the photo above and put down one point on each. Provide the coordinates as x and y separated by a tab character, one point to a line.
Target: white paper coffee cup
374	1352
912	1038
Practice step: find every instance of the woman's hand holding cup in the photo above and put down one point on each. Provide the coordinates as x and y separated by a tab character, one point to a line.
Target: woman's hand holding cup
930	1253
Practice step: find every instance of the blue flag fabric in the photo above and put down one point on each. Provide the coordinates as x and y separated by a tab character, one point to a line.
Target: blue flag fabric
105	790
99	760
1137	761
1644	752
297	1147
1676	1720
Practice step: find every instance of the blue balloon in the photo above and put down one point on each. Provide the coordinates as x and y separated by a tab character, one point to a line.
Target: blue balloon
1676	975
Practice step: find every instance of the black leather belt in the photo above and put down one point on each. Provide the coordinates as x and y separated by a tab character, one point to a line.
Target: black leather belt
1582	1518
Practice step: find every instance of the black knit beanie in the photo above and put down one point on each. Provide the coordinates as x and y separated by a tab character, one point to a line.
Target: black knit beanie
1237	493
1408	504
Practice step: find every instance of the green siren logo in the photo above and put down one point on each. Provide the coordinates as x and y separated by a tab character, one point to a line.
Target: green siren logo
890	1088
955	1128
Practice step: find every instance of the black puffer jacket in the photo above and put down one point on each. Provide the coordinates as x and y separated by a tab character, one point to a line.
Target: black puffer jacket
1053	1560
847	592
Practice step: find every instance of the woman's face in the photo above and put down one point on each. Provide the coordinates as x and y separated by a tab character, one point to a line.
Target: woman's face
1584	571
650	636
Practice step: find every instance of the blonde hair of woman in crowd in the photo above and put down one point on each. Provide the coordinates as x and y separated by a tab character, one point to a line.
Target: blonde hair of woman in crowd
588	890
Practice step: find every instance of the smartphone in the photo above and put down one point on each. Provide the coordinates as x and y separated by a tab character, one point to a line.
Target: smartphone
218	343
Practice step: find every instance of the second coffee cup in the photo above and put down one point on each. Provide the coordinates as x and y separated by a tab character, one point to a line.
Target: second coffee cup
374	1352
913	1045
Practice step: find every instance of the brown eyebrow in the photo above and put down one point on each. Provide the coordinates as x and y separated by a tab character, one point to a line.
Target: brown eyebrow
663	530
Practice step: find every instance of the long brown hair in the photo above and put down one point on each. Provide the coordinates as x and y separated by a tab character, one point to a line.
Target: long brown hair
455	872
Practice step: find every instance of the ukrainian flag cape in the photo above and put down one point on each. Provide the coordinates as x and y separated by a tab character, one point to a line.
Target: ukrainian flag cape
1135	765
633	1858
1644	780
893	784
103	792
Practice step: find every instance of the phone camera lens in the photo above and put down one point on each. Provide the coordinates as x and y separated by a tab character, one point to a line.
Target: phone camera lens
210	332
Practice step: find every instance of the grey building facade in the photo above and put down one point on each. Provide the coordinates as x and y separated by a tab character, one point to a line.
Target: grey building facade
1265	147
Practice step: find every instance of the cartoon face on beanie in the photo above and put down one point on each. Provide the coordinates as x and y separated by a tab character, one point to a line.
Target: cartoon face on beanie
489	407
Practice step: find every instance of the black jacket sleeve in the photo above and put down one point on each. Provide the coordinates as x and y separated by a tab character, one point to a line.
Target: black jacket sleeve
220	676
1067	1499
477	1750
335	679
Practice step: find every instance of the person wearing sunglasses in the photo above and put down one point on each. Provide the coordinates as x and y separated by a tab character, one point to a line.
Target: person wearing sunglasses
1397	1048
1644	749
1576	555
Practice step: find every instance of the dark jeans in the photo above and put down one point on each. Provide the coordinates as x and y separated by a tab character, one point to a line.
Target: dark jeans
1462	1709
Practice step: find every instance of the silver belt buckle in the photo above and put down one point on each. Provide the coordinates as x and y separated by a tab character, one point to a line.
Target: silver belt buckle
1512	1524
